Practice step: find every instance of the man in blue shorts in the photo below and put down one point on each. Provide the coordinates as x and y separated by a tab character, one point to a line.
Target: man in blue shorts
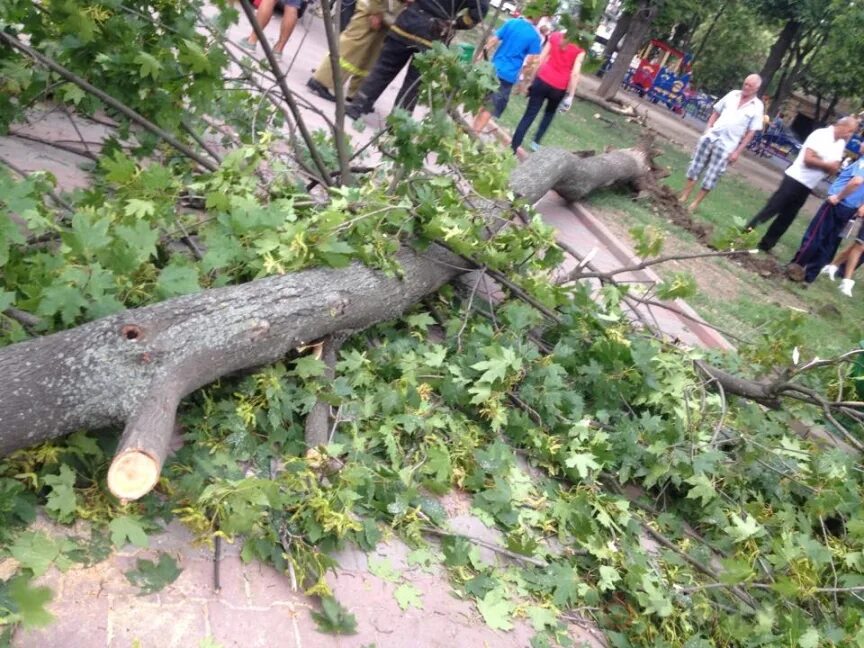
517	39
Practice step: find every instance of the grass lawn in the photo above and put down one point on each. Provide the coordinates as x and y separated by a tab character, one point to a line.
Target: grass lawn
746	304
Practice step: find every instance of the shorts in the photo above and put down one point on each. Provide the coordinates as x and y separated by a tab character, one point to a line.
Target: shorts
297	4
499	99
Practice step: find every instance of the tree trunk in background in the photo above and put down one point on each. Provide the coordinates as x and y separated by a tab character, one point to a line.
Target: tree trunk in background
639	28
778	51
617	34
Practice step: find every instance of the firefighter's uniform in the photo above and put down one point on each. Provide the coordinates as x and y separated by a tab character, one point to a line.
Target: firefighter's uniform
416	28
359	44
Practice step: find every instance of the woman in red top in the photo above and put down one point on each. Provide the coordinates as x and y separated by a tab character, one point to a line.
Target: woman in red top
557	76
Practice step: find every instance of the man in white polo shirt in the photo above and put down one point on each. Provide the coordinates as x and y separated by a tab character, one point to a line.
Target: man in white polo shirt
732	125
820	156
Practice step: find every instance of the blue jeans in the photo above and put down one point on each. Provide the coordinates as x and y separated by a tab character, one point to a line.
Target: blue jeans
539	92
499	99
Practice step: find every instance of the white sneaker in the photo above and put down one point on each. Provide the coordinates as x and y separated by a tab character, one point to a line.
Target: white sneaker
846	286
831	271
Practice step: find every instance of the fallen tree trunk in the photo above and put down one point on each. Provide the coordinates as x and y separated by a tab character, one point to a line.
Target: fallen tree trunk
134	367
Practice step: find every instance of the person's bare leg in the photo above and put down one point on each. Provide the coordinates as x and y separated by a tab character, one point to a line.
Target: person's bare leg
698	200
286	28
842	256
262	16
481	120
684	195
853	255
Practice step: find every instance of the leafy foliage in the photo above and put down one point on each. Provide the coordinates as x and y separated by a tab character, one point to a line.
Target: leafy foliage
152	577
676	516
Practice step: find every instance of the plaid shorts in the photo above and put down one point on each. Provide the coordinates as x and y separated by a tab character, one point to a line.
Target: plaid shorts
711	157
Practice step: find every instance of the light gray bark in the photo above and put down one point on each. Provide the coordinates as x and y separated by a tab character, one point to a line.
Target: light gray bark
133	368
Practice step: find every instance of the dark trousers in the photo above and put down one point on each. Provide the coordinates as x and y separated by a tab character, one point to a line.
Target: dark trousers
394	55
345	14
539	92
822	238
784	204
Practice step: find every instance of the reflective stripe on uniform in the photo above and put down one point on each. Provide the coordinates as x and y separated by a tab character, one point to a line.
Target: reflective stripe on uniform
349	67
417	39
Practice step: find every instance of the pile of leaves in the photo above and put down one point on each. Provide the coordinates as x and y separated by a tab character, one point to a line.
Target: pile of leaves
666	512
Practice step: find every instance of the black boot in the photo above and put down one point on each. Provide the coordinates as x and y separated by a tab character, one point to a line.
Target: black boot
320	89
358	107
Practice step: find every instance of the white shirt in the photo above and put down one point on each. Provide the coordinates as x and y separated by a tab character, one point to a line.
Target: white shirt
735	121
822	143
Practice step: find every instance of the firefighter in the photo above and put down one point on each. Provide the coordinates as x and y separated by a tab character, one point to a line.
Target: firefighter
359	46
416	28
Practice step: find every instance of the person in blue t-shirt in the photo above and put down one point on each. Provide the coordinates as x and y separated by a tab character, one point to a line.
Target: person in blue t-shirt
822	238
517	39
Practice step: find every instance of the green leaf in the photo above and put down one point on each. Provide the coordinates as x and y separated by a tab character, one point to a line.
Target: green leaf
309	366
194	56
334	618
608	577
407	595
496	610
119	168
176	279
150	65
127	528
139	208
29	602
382	568
151	577
72	93
62	501
89	234
541	617
583	462
809	639
140	238
421	321
743	529
702	488
35	551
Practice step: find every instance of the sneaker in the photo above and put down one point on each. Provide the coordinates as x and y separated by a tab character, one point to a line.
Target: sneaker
534	146
249	47
846	286
320	89
831	271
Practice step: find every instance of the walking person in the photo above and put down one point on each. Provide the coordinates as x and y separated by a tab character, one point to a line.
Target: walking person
822	238
820	156
734	121
555	84
416	28
847	261
517	40
290	15
359	47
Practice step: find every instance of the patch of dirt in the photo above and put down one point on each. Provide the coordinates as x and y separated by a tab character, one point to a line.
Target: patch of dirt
716	281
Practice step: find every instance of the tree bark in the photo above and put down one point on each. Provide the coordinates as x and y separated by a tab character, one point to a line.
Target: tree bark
617	34
640	27
778	50
133	368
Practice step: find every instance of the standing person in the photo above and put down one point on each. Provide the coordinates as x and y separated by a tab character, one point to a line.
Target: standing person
359	46
516	40
555	83
733	123
416	28
848	261
822	238
290	15
820	156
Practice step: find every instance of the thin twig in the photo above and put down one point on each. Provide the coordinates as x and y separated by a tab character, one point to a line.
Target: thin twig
488	545
108	99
